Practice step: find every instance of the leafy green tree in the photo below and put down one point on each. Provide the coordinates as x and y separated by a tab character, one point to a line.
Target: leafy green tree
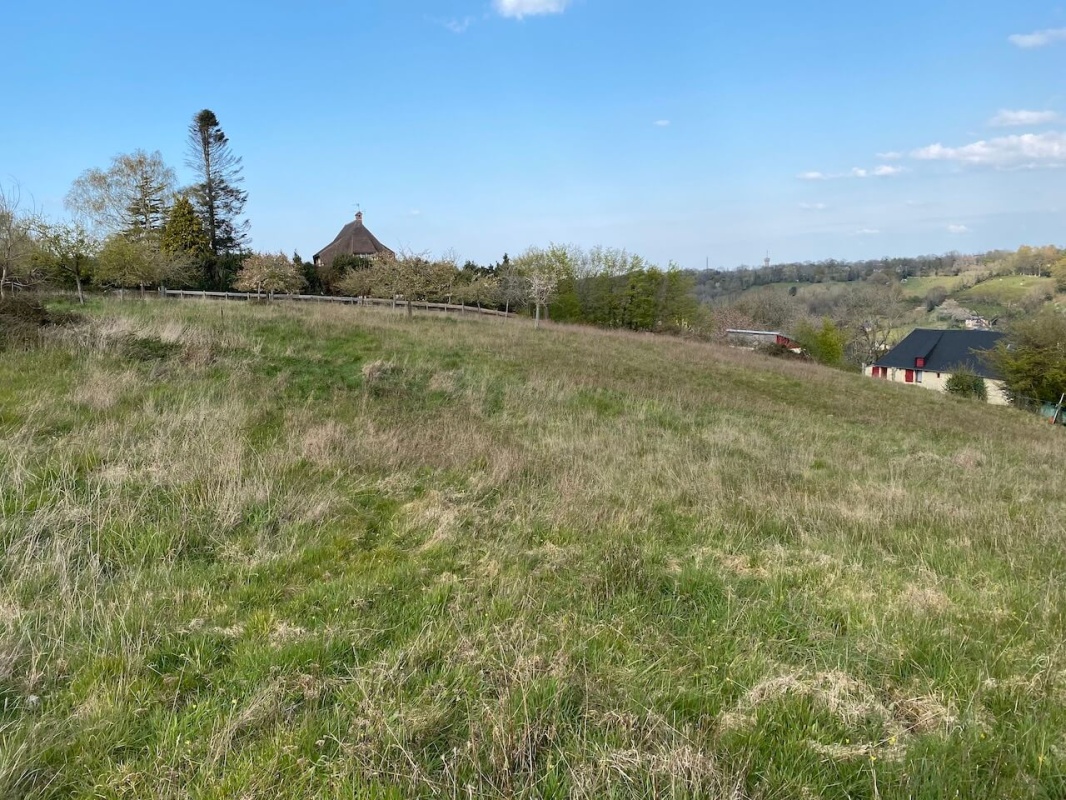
217	195
130	197
377	279
825	345
331	275
1032	357
416	278
1058	272
268	272
602	284
67	253
678	309
312	285
132	263
479	288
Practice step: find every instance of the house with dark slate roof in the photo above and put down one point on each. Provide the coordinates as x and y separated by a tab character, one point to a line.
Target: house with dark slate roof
353	240
928	358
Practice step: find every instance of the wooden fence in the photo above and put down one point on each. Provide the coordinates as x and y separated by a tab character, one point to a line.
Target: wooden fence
449	308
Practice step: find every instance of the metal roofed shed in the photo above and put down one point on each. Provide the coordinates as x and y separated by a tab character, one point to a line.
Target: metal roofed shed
744	338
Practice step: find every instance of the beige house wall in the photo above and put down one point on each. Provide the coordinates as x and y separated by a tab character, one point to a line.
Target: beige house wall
937	381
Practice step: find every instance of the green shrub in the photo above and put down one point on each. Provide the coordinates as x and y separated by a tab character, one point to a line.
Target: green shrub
966	383
825	345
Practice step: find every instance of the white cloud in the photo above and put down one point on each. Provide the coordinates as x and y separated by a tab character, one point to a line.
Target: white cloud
1032	150
517	9
414	212
958	229
813	206
892	155
1029	41
1009	119
459	25
867	232
883	171
662	123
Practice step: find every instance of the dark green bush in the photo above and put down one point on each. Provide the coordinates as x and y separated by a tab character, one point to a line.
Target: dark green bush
965	383
148	348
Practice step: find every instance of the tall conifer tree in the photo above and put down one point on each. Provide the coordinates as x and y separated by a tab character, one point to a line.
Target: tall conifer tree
217	194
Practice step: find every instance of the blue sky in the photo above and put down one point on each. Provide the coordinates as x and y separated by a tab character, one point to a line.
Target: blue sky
686	130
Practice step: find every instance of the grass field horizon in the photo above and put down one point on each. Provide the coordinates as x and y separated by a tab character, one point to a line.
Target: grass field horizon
275	551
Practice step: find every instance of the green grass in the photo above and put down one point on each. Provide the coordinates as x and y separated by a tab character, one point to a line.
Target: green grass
918	288
996	295
288	552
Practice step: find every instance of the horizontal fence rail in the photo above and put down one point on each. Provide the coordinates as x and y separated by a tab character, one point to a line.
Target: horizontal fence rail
421	305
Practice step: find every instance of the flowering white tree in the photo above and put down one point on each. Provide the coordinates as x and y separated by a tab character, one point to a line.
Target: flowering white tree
270	273
543	270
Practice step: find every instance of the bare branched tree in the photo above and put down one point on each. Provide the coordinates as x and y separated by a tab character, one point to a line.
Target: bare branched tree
16	241
130	197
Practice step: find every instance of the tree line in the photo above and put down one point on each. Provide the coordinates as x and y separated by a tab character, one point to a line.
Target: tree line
601	286
132	226
1046	261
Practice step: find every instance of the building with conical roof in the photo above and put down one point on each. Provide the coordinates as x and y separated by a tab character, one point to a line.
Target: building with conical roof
353	240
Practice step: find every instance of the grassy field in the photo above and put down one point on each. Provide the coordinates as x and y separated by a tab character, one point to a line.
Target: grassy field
918	288
262	551
998	294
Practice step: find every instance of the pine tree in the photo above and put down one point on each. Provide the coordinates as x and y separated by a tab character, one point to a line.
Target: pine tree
184	232
218	198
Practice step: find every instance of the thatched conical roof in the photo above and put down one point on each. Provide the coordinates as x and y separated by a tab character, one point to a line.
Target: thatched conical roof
354	239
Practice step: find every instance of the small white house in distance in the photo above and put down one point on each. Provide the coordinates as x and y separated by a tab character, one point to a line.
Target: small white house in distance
928	358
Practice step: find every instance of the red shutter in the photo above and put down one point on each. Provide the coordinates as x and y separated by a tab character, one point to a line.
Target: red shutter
919	363
910	376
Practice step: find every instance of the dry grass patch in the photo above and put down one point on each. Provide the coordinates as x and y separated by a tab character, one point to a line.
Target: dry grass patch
102	390
439	557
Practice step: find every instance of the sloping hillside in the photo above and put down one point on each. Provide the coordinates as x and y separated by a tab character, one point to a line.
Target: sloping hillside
287	552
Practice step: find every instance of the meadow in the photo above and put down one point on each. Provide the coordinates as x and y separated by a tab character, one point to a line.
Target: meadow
917	288
273	551
1000	294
